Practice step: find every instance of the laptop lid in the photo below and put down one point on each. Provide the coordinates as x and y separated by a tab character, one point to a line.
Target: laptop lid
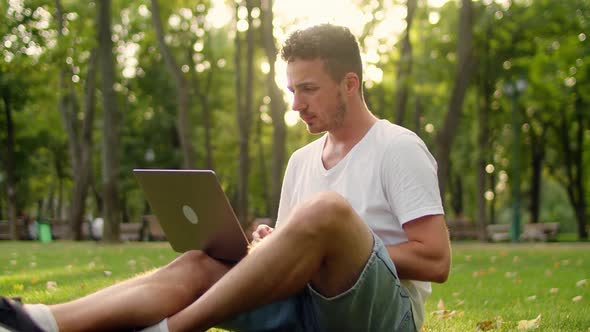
194	212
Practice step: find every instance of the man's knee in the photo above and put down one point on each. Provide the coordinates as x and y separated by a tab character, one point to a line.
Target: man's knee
192	271
323	212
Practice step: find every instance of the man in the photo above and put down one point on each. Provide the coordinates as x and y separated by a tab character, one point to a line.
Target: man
360	231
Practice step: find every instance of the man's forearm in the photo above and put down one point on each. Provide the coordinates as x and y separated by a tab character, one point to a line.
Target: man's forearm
415	261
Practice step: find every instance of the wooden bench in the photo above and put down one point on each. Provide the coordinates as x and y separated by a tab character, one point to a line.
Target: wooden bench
60	229
151	229
130	231
21	229
498	232
530	232
540	232
462	230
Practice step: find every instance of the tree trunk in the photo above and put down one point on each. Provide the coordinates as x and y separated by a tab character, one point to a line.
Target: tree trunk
11	204
451	123
79	147
202	92
82	177
405	67
263	177
482	154
110	161
537	157
277	111
574	167
183	123
244	112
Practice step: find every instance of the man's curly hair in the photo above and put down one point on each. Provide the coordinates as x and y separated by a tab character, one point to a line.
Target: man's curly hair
335	45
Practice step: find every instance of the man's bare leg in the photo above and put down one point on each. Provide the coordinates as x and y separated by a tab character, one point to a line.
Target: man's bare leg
324	241
144	300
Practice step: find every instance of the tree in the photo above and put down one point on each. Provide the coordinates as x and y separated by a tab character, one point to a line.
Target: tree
405	66
184	124
110	143
277	110
244	93
80	143
463	72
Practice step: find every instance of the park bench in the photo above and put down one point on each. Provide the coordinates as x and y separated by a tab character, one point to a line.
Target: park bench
151	229
5	230
462	229
531	232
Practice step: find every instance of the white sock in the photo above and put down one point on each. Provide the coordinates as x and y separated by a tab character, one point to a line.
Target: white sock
41	315
160	327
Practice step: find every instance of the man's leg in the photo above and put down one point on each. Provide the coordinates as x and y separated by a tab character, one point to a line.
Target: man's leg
324	242
144	300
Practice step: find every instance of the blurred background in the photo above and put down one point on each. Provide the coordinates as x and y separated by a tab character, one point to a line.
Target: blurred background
498	90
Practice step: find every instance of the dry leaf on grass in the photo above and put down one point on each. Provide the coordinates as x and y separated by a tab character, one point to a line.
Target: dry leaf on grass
527	325
582	283
51	285
488	325
554	290
577	298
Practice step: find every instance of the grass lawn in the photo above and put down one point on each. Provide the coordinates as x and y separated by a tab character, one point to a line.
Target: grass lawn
492	286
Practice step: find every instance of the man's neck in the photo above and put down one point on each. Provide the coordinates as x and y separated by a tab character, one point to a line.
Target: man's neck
340	141
356	125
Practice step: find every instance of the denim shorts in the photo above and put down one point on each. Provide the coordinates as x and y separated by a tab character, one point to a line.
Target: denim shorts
376	302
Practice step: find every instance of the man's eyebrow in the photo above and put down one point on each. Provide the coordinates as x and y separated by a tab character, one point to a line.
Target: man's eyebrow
305	84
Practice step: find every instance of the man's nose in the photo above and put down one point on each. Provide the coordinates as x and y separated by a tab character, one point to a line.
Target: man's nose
298	104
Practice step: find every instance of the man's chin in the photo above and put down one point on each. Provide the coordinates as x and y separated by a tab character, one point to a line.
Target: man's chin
313	130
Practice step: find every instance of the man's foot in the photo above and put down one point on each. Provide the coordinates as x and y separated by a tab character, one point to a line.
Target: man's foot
14	318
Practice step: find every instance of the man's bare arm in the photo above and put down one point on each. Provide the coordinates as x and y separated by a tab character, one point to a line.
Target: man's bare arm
426	255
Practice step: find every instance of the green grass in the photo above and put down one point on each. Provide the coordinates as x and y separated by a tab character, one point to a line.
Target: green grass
489	282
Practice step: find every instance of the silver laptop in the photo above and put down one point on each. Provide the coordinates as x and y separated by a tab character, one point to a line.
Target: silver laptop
194	212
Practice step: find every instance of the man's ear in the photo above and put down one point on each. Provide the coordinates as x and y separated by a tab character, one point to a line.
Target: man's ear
351	83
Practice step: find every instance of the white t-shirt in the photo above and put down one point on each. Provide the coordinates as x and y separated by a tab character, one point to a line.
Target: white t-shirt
389	178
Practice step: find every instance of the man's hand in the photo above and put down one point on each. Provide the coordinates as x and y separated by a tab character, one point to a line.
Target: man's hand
259	234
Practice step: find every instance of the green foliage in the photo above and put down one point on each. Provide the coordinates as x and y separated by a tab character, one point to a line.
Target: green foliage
542	41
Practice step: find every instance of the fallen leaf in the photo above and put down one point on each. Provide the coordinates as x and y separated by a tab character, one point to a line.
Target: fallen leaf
440	305
554	290
577	298
527	325
444	314
516	259
582	283
107	273
51	285
531	298
510	274
487	325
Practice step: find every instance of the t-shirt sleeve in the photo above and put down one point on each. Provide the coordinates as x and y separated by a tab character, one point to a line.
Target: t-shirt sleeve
410	179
